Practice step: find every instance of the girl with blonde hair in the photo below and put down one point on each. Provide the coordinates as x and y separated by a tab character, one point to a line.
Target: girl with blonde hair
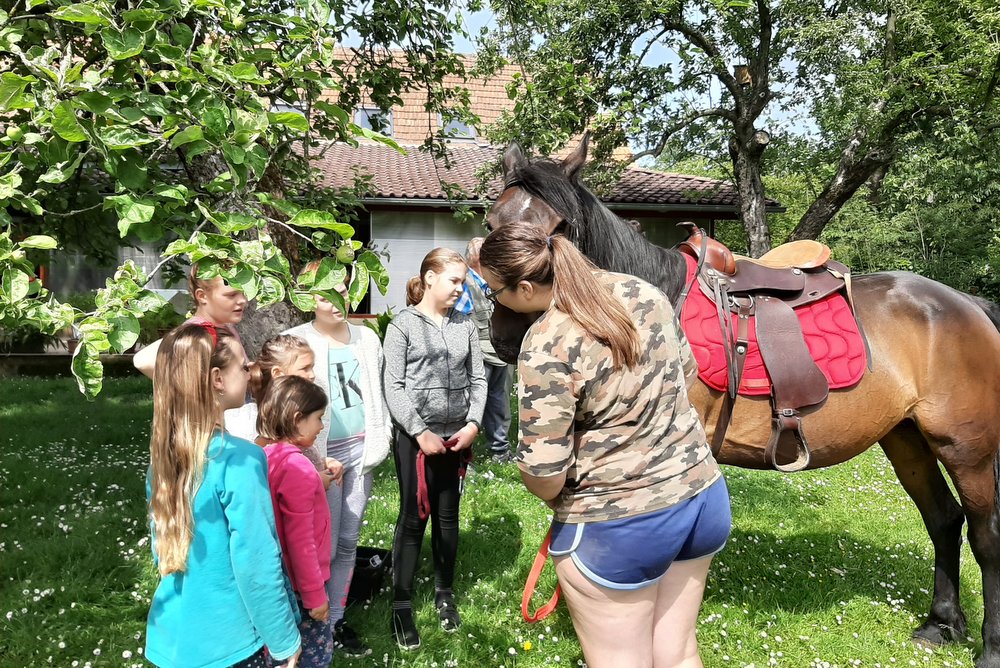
221	596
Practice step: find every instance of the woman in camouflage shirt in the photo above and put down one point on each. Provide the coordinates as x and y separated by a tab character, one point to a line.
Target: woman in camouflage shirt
610	440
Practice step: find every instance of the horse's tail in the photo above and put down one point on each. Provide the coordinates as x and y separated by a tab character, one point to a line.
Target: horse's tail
991	309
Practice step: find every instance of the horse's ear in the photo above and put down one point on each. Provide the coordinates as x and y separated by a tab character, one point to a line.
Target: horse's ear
512	158
575	161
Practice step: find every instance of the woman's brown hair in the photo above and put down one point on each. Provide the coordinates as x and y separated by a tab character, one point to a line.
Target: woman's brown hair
186	411
435	261
287	400
278	351
524	252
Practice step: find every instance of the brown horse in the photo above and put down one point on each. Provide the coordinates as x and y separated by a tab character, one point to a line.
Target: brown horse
933	394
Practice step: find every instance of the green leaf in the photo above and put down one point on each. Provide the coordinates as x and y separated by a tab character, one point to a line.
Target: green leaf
87	369
130	211
359	285
235	222
65	124
95	101
124	332
121	137
9	184
216	121
244	279
245	72
289	119
376	270
12	89
329	275
39	241
343	118
182	35
271	292
179	247
80	12
186	136
234	154
60	173
303	301
14	285
321	219
123	44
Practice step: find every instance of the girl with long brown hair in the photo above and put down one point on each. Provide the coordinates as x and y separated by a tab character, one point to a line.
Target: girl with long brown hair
609	439
435	386
221	596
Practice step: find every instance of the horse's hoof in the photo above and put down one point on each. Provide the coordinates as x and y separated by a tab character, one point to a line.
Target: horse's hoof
936	633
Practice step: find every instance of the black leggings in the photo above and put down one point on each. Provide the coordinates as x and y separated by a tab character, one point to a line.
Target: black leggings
443	493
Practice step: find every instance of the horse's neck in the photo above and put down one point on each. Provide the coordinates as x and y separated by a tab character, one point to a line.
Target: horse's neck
663	267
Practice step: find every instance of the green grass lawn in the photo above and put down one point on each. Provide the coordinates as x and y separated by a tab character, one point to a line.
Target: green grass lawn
829	568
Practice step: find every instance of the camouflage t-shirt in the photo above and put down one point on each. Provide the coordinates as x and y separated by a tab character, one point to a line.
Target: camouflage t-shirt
629	441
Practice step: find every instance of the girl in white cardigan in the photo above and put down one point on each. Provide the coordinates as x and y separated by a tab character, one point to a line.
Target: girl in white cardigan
348	366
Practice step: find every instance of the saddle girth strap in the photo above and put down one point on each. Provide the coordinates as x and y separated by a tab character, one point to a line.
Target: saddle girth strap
744	309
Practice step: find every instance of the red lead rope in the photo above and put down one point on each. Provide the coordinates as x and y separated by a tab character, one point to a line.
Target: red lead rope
423	498
532	582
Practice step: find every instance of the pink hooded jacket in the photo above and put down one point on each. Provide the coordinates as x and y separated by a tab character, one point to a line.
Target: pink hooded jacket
302	518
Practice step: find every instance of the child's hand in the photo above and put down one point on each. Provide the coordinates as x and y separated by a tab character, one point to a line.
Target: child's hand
430	443
321	613
465	436
335	470
294	660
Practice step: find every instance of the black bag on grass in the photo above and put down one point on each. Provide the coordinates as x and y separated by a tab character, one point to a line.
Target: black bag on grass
370	568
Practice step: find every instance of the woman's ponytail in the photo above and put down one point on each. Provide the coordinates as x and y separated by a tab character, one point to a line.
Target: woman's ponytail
414	290
524	252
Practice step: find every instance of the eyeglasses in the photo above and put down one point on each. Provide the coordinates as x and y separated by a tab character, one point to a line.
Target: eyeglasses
492	294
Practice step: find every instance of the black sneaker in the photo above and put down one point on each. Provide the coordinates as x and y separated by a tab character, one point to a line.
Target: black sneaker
347	642
444	602
502	457
404	630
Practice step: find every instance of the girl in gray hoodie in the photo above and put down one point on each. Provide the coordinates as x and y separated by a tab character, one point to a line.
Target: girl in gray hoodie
435	387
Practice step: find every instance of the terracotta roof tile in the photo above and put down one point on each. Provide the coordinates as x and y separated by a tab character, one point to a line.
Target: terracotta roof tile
418	176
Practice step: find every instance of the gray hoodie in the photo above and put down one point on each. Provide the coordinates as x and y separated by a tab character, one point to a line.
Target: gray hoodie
433	376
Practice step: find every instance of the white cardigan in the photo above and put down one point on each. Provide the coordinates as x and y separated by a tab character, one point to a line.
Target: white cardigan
367	349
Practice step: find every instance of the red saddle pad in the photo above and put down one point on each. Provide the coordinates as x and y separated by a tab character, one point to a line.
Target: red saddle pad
830	331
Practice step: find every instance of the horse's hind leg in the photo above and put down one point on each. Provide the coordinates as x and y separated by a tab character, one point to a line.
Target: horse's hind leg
918	472
977	488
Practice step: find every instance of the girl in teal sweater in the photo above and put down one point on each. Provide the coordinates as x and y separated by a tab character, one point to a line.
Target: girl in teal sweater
221	597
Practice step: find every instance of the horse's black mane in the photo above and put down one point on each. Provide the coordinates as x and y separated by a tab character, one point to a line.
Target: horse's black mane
609	242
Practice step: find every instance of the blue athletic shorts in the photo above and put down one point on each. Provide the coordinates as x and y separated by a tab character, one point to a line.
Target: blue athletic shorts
634	552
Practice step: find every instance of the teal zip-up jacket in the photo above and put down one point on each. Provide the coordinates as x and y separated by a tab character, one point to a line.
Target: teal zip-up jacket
231	600
434	376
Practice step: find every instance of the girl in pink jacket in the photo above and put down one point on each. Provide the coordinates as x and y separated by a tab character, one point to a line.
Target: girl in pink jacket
290	417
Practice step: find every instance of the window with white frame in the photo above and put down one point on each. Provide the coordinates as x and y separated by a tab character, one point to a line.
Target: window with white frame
375	119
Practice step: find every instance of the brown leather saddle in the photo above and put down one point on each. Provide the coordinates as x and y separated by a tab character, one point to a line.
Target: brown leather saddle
769	289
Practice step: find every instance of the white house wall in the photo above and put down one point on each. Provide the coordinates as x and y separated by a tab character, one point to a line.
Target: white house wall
409	236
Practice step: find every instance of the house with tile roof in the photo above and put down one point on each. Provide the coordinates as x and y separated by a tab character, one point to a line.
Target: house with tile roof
411	200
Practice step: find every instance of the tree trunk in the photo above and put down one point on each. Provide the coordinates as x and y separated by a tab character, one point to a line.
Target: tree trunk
851	174
746	154
260	325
